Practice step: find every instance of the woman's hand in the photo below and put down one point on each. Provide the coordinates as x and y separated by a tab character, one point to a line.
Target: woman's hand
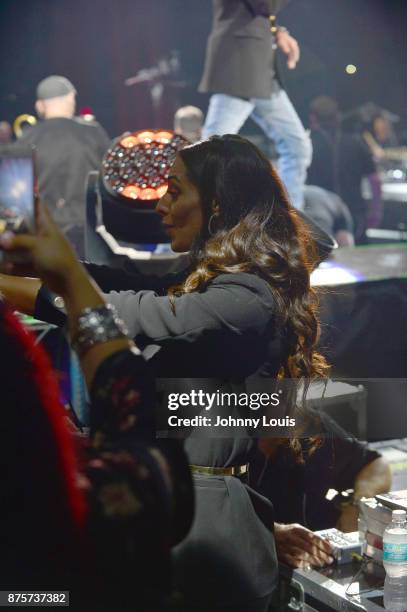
48	252
55	262
297	546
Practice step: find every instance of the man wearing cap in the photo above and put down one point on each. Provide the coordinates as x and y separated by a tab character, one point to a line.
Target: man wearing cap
67	149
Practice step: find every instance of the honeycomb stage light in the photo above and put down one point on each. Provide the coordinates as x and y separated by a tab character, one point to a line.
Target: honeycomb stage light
135	169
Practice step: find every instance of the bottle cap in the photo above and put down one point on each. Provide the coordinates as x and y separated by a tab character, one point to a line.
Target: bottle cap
398	515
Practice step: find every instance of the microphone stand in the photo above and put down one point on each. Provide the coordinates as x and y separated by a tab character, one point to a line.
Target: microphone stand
164	73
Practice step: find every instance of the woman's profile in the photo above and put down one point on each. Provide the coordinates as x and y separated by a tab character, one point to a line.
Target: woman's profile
243	306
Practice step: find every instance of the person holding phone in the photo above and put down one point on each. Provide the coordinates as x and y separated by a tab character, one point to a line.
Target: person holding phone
243	305
96	517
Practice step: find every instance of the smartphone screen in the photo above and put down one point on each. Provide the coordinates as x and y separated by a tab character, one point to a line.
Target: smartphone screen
17	189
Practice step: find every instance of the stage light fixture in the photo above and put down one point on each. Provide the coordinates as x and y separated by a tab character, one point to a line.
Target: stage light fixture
136	166
351	69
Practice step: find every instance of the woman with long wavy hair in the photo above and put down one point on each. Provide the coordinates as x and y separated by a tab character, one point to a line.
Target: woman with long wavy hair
243	307
256	231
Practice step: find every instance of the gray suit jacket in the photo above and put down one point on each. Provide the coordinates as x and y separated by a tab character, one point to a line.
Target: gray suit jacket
239	54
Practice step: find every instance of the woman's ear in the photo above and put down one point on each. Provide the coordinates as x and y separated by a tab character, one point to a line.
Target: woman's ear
215	208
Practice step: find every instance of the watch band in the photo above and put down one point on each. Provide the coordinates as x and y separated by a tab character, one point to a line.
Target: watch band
95	326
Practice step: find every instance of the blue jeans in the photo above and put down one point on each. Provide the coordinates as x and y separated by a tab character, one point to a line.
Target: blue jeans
277	117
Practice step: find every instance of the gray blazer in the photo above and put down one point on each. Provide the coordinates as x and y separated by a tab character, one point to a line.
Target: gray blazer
239	55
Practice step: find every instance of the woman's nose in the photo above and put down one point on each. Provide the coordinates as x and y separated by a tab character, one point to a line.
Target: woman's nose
162	207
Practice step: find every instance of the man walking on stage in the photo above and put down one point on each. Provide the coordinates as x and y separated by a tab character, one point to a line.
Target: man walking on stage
240	73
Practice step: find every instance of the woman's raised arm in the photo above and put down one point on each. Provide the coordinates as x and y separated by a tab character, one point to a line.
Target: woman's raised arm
20	292
54	261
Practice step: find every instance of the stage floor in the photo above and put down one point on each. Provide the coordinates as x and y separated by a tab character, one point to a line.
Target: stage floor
362	264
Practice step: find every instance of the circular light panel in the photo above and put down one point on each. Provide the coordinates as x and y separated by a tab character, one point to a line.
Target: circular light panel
136	167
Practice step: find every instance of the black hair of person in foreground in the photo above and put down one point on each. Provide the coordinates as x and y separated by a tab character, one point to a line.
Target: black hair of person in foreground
244	305
96	517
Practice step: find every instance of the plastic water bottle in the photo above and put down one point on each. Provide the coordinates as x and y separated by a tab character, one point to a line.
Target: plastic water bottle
362	528
395	562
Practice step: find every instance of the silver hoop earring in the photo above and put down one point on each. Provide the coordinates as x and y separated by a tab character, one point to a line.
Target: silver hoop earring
211	231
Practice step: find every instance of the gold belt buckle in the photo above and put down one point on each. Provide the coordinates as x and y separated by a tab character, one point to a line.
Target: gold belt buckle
233	470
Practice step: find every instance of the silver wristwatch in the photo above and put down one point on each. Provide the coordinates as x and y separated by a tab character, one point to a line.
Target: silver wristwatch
95	326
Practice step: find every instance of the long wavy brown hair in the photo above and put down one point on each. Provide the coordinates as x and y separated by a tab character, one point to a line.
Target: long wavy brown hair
257	231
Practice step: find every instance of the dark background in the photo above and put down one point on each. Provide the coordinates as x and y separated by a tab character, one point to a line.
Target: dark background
98	43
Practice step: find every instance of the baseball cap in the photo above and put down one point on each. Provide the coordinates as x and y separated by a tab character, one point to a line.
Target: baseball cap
54	86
